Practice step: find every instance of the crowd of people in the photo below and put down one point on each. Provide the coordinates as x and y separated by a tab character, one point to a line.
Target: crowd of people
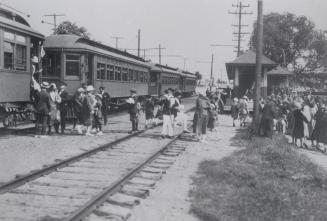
88	109
302	116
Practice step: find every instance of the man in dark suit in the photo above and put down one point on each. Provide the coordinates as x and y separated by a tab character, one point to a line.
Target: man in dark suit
267	121
42	110
63	107
105	104
134	108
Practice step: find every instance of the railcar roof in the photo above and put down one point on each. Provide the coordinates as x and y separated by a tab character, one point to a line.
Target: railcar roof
80	43
164	68
10	24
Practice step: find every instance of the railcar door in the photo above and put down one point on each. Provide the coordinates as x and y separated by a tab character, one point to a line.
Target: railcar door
89	71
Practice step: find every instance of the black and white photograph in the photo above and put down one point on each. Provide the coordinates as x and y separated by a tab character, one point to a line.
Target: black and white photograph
163	110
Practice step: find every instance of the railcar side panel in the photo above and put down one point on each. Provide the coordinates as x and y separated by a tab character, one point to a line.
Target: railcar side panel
14	87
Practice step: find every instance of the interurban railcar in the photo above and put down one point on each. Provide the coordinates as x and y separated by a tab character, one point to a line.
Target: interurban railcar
76	60
18	44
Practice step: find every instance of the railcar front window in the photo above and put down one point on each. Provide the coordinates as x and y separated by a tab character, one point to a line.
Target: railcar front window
72	65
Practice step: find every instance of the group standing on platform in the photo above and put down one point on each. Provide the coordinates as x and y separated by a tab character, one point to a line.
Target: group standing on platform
302	116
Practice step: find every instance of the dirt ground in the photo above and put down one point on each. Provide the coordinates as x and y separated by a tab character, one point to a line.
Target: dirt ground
21	153
169	201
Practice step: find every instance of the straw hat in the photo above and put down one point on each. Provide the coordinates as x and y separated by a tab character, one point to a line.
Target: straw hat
90	88
45	84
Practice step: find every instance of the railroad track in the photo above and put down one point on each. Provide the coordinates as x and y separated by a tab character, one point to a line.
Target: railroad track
81	182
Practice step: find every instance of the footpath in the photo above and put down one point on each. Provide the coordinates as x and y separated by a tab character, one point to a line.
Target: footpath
169	201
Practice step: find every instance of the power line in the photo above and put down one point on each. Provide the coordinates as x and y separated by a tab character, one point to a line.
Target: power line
240	6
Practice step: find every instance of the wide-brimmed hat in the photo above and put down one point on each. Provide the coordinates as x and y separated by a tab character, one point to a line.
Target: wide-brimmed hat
297	105
235	99
90	88
35	59
45	84
133	90
80	90
245	97
53	85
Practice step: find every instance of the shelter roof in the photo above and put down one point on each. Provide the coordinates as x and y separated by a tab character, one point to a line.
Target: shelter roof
280	71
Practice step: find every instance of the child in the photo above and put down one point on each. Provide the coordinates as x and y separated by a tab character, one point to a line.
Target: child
97	114
234	110
282	124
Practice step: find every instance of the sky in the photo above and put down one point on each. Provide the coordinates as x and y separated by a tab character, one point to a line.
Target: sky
185	28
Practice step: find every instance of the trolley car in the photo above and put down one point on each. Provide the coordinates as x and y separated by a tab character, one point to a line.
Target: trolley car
18	44
76	60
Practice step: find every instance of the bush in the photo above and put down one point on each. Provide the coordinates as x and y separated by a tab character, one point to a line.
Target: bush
266	181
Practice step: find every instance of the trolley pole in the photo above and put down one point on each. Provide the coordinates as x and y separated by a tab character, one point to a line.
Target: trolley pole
159	54
139	43
54	15
117	38
211	80
259	54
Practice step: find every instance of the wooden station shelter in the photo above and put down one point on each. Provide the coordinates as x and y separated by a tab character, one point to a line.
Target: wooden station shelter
242	72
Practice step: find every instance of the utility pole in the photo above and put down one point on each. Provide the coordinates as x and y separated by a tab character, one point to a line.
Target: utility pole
211	80
239	33
258	72
139	43
54	15
117	39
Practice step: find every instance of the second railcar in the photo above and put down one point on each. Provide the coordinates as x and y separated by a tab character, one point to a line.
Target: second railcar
76	60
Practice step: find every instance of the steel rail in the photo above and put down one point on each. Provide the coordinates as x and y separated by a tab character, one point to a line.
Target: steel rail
44	171
91	205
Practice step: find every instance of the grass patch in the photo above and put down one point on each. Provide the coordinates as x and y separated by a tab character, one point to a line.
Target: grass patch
266	181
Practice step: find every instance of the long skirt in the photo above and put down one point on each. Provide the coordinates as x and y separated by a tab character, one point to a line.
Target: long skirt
202	122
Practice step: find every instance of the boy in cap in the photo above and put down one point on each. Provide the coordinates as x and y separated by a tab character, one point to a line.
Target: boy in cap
134	108
105	99
168	102
42	110
63	107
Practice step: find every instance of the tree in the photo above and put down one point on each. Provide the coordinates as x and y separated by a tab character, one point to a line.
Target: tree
292	41
198	77
68	27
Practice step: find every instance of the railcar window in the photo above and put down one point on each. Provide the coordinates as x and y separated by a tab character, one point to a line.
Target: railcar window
101	71
52	64
141	77
72	65
125	74
15	52
146	77
130	75
136	76
110	72
118	73
8	55
20	58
